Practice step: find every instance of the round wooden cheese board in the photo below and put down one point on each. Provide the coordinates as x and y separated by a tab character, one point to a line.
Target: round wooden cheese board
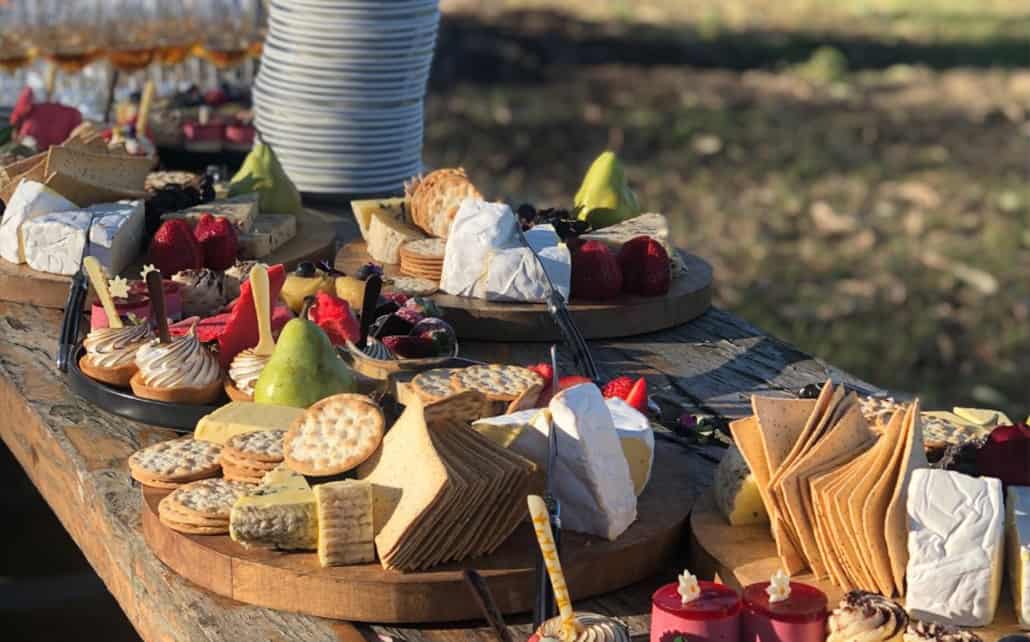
294	581
688	298
742	555
315	241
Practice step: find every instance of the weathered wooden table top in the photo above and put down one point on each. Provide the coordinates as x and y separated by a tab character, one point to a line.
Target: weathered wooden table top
75	453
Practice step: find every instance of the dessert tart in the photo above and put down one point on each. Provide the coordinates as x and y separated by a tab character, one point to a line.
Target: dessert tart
247	366
111	353
592	628
867	616
179	370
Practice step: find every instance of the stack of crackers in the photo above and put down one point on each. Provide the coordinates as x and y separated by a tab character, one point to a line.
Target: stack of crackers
505	388
423	258
442	491
434	199
834	488
201	507
247	457
170	464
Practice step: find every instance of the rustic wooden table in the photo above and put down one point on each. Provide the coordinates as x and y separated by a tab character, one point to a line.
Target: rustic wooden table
75	454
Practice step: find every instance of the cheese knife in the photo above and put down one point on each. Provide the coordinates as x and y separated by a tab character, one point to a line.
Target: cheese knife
73	307
559	311
544	608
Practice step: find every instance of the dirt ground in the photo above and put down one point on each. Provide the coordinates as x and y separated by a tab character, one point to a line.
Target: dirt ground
866	199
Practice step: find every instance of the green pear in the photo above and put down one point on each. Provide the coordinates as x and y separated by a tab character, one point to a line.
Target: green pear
605	198
262	173
303	369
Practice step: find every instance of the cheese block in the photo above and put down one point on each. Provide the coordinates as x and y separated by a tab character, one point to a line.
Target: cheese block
345	534
525	433
54	242
241	211
396	208
592	479
955	547
1017	526
30	199
280	513
268	233
238	417
386	235
651	224
736	491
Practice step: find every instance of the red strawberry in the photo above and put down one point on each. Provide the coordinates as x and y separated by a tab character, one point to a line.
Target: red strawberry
632	392
595	272
174	249
218	239
333	315
571	380
546	373
409	347
645	267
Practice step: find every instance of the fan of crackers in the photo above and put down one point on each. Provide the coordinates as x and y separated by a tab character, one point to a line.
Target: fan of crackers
505	388
434	199
834	485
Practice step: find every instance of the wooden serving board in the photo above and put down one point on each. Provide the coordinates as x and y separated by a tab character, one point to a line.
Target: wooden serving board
315	241
689	296
742	555
368	593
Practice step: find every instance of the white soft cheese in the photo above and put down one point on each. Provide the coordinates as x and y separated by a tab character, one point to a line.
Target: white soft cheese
54	242
30	199
1018	554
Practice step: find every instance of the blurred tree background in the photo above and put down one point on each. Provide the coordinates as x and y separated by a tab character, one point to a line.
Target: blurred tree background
856	170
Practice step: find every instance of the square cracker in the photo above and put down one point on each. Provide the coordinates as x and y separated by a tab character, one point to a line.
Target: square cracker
896	526
874	504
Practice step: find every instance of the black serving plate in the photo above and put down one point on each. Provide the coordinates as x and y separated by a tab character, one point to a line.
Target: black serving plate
121	401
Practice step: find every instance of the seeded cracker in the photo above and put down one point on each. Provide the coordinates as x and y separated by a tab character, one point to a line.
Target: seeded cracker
497	382
176	461
260	445
334	435
413	286
207	498
435	384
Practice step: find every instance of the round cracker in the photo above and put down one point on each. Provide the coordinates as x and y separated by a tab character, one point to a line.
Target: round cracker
207	498
433	385
424	249
235	461
177	460
190	529
414	286
498	382
335	435
260	445
171	511
155	483
241	478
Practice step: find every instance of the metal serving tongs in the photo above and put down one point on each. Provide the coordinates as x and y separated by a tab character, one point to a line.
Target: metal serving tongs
544	608
73	309
559	310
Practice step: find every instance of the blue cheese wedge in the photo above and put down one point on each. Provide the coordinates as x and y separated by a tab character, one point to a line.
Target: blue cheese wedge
1017	525
268	234
241	211
280	513
30	200
55	242
736	491
395	208
955	547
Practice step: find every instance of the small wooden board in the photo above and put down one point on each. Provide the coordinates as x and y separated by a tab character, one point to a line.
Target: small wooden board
688	298
367	593
315	241
742	555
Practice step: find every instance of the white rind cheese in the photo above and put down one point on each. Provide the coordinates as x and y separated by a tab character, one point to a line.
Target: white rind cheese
269	233
54	242
955	547
736	492
30	199
386	235
514	274
592	479
1018	544
636	436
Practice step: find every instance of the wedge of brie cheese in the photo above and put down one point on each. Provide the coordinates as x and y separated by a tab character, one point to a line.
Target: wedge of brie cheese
55	242
30	199
1017	525
955	547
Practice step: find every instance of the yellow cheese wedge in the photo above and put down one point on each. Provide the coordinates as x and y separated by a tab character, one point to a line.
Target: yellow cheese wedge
238	417
736	492
363	210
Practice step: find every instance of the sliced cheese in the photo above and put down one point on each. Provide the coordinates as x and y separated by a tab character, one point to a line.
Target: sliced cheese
1017	525
30	200
396	208
238	417
386	235
345	533
280	513
736	491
